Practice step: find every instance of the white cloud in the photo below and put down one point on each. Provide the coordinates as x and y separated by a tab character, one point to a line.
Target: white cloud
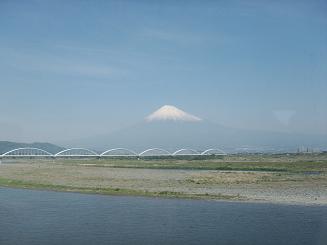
173	36
45	62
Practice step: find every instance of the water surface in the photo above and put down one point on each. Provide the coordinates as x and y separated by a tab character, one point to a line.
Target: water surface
42	217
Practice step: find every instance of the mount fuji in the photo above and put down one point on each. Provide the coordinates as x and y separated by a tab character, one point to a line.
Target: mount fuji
171	113
172	128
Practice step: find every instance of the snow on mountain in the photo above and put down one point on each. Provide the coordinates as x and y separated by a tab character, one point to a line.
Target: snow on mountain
171	113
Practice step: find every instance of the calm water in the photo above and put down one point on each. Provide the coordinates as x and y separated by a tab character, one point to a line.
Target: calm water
41	217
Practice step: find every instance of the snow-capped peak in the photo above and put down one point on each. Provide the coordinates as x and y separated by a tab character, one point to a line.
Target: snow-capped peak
171	113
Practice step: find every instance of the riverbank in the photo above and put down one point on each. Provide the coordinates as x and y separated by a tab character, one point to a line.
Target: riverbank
305	183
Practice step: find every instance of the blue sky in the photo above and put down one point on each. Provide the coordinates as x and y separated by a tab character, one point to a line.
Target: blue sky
72	69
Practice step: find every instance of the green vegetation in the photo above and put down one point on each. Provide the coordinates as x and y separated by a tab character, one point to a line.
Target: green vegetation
299	166
295	163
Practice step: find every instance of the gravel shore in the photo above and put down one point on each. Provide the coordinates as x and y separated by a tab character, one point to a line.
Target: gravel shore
256	186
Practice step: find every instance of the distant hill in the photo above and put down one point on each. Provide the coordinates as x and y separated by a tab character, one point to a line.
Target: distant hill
7	146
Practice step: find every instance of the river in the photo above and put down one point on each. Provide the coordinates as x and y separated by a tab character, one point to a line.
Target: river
44	217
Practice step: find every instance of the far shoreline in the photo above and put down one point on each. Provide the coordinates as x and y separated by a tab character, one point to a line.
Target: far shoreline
123	193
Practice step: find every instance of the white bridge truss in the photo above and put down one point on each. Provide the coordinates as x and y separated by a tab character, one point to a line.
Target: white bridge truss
115	152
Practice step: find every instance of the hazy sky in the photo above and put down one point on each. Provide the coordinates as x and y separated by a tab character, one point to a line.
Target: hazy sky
71	69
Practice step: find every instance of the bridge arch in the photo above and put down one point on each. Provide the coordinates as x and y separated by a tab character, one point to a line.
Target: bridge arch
165	152
179	152
220	152
76	152
131	153
27	151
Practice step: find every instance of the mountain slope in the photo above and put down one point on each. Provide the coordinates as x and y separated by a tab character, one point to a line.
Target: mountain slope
171	128
175	135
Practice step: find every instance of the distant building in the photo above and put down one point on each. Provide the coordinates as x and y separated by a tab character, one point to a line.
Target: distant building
303	149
